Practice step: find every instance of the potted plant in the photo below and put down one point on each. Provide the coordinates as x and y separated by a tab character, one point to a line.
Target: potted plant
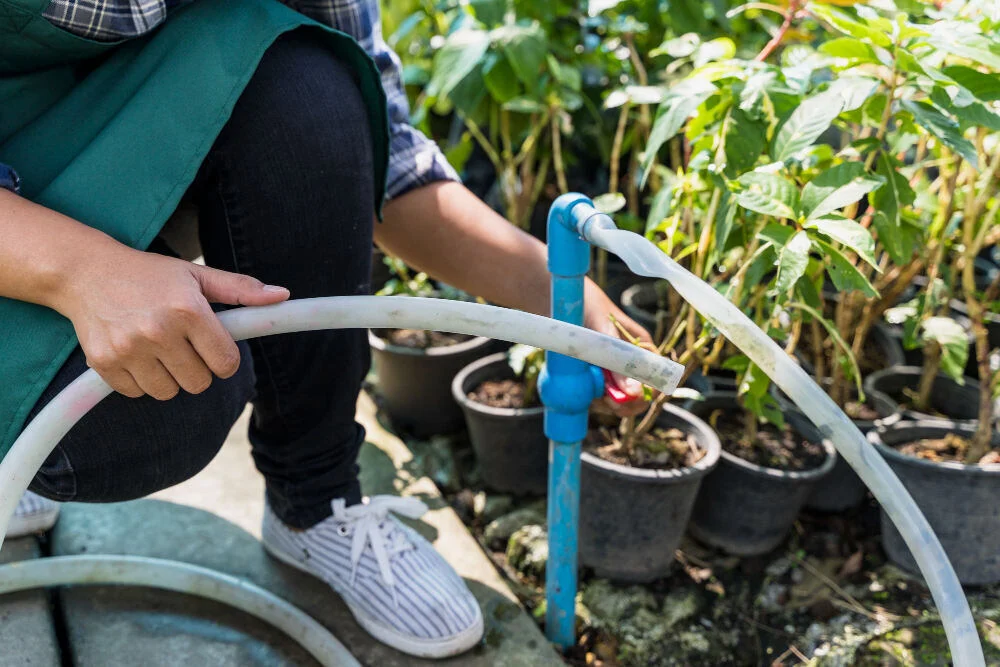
637	490
499	397
415	368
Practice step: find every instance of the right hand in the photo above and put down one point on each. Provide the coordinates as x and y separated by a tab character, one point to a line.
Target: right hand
145	323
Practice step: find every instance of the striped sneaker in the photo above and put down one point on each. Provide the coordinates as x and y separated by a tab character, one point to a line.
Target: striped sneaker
33	514
397	586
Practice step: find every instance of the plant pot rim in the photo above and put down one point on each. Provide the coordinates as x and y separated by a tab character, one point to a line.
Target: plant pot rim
667	475
945	426
959	306
771	473
461	396
913	371
383	345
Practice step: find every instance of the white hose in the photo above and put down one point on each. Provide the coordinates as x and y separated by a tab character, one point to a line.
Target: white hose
643	258
40	437
180	578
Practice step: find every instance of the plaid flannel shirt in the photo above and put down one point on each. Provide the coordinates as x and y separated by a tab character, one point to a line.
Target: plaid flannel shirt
414	160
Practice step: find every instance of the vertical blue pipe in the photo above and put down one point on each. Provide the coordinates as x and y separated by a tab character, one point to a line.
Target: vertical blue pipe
567	386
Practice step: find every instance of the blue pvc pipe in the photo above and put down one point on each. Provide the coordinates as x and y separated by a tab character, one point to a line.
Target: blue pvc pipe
567	386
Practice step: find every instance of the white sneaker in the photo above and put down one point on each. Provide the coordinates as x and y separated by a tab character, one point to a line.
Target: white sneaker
33	514
397	586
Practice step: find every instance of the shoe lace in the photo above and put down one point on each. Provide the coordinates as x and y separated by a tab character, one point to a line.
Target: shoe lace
369	523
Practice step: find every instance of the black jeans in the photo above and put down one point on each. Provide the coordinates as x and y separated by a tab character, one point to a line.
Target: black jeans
285	195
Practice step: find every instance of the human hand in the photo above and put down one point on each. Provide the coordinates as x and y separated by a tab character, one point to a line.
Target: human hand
145	323
601	314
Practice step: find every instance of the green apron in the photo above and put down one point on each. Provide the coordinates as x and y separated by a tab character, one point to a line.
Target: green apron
112	135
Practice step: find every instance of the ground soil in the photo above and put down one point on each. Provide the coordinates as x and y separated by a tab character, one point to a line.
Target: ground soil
773	448
951	447
659	449
500	394
419	339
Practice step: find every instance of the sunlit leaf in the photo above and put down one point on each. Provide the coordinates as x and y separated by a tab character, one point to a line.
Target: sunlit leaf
850	25
609	203
954	342
525	48
887	202
792	261
769	194
815	114
460	54
682	101
836	188
849	233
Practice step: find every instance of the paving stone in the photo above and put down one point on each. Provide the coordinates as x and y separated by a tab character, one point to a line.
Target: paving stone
27	632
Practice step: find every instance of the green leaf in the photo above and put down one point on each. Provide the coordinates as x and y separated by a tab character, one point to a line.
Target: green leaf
755	397
768	194
954	342
738	363
567	75
723	223
958	38
659	208
792	261
887	203
679	47
848	24
983	86
777	233
812	118
609	203
524	105
836	188
460	54
943	128
525	48
845	276
745	141
721	48
849	47
499	78
849	233
489	12
683	100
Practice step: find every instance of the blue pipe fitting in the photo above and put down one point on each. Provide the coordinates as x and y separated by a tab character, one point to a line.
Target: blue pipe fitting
567	387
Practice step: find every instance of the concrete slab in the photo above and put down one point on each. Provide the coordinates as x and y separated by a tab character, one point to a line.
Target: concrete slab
231	490
27	631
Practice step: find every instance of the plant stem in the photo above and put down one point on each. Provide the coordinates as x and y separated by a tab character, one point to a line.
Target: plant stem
557	158
932	364
616	148
793	8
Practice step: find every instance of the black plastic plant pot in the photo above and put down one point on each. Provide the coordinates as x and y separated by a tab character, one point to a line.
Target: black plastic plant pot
415	384
632	519
746	509
948	398
842	489
958	500
640	303
991	320
509	443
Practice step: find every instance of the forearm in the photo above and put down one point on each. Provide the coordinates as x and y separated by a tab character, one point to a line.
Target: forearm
445	230
40	250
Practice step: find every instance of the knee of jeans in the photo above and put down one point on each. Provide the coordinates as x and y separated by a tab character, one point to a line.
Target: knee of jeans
130	448
302	104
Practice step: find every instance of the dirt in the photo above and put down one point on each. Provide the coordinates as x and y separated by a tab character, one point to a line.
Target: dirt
659	449
419	339
501	394
861	411
951	447
773	448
